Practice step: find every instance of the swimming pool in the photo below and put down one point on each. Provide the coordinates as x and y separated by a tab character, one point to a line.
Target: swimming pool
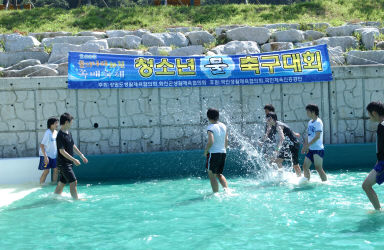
163	200
183	214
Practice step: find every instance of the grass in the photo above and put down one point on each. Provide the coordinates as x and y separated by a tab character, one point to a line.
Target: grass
158	18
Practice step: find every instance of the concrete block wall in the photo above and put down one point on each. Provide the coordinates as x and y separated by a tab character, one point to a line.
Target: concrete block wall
110	121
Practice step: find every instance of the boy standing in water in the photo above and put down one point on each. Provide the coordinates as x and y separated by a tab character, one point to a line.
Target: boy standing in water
48	150
269	139
288	146
313	146
376	114
65	160
215	151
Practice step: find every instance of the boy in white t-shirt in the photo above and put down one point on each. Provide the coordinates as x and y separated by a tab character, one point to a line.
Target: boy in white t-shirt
215	151
313	146
48	150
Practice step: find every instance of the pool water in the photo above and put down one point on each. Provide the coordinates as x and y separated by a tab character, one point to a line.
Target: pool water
273	213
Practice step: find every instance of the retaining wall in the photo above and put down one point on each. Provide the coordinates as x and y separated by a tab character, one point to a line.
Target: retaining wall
110	121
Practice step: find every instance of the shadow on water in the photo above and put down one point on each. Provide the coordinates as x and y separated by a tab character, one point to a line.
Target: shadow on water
37	204
372	224
193	200
299	189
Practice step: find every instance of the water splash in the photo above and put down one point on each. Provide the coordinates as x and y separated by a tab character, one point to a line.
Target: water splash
258	164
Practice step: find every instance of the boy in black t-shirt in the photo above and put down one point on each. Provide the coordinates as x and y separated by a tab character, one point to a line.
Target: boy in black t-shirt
268	140
376	114
288	145
65	160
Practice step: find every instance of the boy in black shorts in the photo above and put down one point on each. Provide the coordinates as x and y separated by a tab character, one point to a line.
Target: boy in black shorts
269	138
65	160
288	146
376	114
215	151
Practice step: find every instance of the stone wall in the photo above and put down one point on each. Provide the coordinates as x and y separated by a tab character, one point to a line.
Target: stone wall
46	54
146	120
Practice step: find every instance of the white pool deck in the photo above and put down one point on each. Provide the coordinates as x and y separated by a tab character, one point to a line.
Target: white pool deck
18	178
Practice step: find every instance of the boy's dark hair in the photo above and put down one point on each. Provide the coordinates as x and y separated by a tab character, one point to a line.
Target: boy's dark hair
313	108
376	106
271	115
51	121
213	114
65	117
269	107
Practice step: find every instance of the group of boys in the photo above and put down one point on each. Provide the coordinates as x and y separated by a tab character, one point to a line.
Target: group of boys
60	145
288	146
56	152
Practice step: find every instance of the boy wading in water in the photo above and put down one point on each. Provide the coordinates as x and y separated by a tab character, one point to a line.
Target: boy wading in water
48	150
288	146
65	160
215	151
268	141
376	114
313	146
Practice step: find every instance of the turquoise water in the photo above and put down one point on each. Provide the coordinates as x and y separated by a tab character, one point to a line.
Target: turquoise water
273	213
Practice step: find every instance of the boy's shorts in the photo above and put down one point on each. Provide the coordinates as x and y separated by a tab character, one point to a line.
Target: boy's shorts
51	164
379	168
294	153
310	154
66	173
216	162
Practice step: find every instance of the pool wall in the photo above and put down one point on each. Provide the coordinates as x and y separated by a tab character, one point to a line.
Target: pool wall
160	165
177	164
120	121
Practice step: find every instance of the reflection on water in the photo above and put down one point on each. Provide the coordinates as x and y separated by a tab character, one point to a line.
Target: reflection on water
373	223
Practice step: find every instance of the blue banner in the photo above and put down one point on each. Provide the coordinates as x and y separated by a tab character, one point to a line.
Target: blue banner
94	70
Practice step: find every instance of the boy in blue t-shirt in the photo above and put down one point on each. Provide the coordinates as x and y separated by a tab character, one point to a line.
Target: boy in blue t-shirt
376	114
313	146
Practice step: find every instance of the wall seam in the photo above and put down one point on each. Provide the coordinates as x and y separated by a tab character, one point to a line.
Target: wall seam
119	120
160	121
330	113
282	102
78	119
364	115
36	126
242	109
201	118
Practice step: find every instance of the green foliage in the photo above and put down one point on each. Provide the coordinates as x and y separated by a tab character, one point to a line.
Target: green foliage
50	3
360	41
380	38
2	45
143	47
163	53
48	49
158	18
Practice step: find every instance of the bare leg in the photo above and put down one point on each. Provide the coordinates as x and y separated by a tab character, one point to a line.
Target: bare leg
367	187
55	175
44	176
214	184
307	163
222	180
73	190
279	162
297	170
319	167
59	188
